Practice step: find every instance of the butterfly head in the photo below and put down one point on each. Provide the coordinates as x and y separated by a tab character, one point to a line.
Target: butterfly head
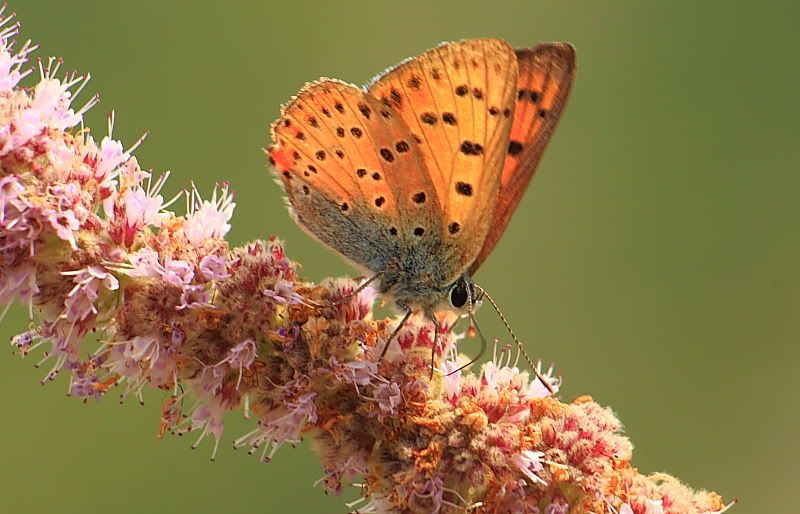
420	293
461	296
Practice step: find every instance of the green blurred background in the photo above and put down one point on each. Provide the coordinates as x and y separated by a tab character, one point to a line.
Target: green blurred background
654	259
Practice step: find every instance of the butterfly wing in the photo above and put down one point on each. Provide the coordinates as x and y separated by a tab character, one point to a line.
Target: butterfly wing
354	177
546	73
457	101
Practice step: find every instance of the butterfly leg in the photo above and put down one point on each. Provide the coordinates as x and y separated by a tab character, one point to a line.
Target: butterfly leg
431	316
395	332
359	288
347	297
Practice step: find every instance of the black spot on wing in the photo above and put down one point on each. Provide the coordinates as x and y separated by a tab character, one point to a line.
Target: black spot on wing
514	147
428	118
463	188
387	155
471	148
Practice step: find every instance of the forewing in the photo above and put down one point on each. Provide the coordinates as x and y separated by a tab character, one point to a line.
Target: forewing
352	173
546	73
457	101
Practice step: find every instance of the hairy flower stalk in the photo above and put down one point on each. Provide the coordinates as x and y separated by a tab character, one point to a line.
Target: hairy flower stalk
88	244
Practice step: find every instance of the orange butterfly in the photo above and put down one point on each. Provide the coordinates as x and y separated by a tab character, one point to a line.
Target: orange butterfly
416	176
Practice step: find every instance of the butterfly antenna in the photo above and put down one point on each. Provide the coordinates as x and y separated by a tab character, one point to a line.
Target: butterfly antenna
521	348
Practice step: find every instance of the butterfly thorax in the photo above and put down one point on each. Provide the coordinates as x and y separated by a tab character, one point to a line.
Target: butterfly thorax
427	291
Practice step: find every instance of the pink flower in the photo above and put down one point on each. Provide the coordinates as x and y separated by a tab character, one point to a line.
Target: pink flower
111	156
67	161
348	470
178	336
142	350
496	377
209	383
651	507
163	370
10	190
285	428
241	356
67	196
389	398
177	273
358	307
11	63
283	293
140	210
194	296
65	224
144	263
360	372
19	280
452	379
64	341
85	385
654	507
557	507
26	341
52	98
530	463
80	301
208	417
131	175
209	219
49	105
132	360
424	492
536	389
213	267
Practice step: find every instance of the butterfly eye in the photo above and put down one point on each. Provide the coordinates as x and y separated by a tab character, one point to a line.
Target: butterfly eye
458	294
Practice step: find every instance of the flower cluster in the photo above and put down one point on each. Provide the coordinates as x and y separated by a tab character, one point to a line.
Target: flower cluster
88	242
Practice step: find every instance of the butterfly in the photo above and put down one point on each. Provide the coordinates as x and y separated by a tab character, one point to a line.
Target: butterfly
415	176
